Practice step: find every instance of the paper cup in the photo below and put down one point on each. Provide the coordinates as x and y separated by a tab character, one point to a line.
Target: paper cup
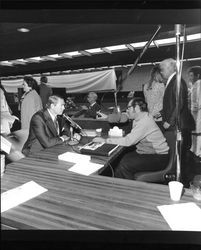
98	131
2	164
175	188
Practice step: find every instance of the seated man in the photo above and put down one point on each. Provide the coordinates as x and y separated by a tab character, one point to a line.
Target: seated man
46	129
91	110
151	147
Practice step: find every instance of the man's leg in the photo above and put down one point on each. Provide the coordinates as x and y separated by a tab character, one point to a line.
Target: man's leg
133	162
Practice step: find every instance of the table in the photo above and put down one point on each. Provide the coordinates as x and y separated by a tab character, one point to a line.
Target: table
77	202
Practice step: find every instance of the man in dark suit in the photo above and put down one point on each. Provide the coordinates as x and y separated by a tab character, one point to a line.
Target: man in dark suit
89	111
46	129
45	91
172	119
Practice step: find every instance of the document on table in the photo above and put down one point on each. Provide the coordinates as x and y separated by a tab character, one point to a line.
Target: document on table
5	145
85	168
18	195
182	216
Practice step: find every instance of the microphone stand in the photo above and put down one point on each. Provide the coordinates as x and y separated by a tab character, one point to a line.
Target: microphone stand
73	124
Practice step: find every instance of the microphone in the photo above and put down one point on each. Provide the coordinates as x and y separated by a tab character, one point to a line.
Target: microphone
73	124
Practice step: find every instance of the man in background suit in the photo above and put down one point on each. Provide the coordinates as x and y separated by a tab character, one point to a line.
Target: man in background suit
45	91
46	129
182	120
89	111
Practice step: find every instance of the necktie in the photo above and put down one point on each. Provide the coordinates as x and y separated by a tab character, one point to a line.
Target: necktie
56	125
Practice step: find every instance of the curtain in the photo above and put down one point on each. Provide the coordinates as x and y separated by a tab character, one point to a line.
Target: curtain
82	82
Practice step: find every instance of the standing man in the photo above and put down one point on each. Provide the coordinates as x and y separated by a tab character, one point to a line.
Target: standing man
183	120
46	129
45	91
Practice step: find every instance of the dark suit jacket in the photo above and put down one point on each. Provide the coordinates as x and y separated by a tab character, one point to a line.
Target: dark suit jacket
45	92
42	132
184	118
90	113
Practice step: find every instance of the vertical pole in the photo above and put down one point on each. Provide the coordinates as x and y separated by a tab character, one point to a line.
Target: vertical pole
178	77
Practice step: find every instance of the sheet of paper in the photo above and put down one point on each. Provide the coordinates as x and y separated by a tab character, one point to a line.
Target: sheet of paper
182	216
5	145
74	157
18	195
85	168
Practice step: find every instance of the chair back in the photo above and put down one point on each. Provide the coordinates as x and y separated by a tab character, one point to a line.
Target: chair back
169	172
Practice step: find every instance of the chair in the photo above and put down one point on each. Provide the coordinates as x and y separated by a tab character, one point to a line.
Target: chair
167	174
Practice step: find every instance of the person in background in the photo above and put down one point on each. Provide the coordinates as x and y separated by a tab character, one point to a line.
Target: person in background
44	90
172	120
47	128
91	110
7	119
194	74
154	92
151	152
30	102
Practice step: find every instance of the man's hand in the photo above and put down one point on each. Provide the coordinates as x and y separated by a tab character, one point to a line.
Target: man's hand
65	137
77	137
84	107
99	139
166	125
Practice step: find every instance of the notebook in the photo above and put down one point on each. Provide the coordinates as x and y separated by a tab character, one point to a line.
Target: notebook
98	148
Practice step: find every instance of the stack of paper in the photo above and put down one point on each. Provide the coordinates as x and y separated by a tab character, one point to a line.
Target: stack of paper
18	195
85	168
182	216
5	145
74	157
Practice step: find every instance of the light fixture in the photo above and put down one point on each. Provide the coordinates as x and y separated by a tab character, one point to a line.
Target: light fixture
73	53
24	30
34	59
96	50
56	56
19	61
6	63
116	47
106	50
85	53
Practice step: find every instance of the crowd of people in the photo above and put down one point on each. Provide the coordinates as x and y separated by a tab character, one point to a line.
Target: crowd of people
159	111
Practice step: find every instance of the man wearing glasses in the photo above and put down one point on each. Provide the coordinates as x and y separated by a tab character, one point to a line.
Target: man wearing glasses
151	153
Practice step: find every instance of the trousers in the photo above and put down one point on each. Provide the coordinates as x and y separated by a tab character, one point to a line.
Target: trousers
132	162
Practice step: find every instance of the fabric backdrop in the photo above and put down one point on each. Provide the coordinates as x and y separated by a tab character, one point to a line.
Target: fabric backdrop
81	82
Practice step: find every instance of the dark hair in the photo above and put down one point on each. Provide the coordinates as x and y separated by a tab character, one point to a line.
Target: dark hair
140	102
43	79
154	72
196	70
31	82
53	99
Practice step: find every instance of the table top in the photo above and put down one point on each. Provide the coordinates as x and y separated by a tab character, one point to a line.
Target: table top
78	202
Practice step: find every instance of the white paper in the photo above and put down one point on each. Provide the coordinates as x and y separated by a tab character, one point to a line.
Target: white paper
89	132
18	195
74	157
182	216
5	145
86	168
92	145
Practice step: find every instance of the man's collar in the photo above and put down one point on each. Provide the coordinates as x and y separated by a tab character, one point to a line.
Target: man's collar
170	78
92	104
51	115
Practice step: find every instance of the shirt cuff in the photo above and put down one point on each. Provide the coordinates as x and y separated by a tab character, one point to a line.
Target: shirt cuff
62	138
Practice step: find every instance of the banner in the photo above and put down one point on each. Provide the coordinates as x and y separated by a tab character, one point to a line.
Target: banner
75	83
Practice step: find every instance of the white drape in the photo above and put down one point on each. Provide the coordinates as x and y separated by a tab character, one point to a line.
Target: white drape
82	82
